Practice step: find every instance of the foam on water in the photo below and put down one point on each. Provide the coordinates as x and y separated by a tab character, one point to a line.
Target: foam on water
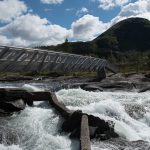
31	88
36	128
111	106
12	147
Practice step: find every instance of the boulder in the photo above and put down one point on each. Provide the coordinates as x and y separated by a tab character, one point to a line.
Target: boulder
91	88
120	85
73	122
12	94
102	129
144	89
15	78
12	106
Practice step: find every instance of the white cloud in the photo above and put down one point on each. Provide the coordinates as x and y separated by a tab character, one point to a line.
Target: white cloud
25	32
109	4
31	30
48	9
140	8
9	9
82	11
52	1
88	27
69	9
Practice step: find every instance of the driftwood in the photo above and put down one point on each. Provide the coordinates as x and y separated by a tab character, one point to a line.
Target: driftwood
76	122
85	134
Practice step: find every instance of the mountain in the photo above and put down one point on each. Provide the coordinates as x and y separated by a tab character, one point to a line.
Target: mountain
126	44
127	35
131	34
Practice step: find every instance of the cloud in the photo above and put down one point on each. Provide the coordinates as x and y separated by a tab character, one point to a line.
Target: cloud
140	8
24	32
82	11
109	4
69	9
88	27
52	1
10	9
21	30
48	9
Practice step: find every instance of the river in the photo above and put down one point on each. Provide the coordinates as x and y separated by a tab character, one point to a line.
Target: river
38	127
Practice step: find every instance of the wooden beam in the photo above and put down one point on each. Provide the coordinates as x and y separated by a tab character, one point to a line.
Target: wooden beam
84	134
60	107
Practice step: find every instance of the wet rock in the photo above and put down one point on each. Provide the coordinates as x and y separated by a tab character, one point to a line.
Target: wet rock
98	127
3	113
15	78
147	75
12	94
104	130
101	74
8	136
120	85
106	134
144	89
136	111
12	106
121	144
73	122
75	133
92	88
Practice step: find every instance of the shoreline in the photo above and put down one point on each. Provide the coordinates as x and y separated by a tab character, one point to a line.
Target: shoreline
128	82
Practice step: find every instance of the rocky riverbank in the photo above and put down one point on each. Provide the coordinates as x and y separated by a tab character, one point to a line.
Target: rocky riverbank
128	82
11	102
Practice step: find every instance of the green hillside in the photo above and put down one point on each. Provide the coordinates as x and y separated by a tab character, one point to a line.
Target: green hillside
132	34
126	44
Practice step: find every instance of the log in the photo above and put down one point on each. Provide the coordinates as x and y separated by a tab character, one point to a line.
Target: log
84	134
60	107
11	94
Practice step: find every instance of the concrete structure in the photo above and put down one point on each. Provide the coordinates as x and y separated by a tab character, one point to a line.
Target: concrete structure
15	59
85	143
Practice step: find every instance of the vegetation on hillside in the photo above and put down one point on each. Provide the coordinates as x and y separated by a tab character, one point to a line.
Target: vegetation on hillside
126	44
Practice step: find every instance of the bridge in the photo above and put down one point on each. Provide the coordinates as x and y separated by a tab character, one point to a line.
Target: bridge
18	59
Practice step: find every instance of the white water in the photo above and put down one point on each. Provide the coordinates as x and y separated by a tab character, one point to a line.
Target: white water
37	127
111	106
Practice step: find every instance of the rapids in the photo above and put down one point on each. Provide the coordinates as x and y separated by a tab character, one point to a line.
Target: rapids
37	127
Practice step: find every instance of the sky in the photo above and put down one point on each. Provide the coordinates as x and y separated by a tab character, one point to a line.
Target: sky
29	23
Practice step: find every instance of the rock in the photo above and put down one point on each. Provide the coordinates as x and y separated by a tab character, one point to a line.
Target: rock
147	75
136	111
98	127
12	94
101	74
15	78
144	89
8	136
4	113
92	88
12	106
73	122
118	85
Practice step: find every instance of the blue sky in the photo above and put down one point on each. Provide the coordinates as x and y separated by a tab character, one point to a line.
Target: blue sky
50	22
65	13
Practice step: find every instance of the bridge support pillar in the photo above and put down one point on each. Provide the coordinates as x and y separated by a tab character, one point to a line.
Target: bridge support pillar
101	74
